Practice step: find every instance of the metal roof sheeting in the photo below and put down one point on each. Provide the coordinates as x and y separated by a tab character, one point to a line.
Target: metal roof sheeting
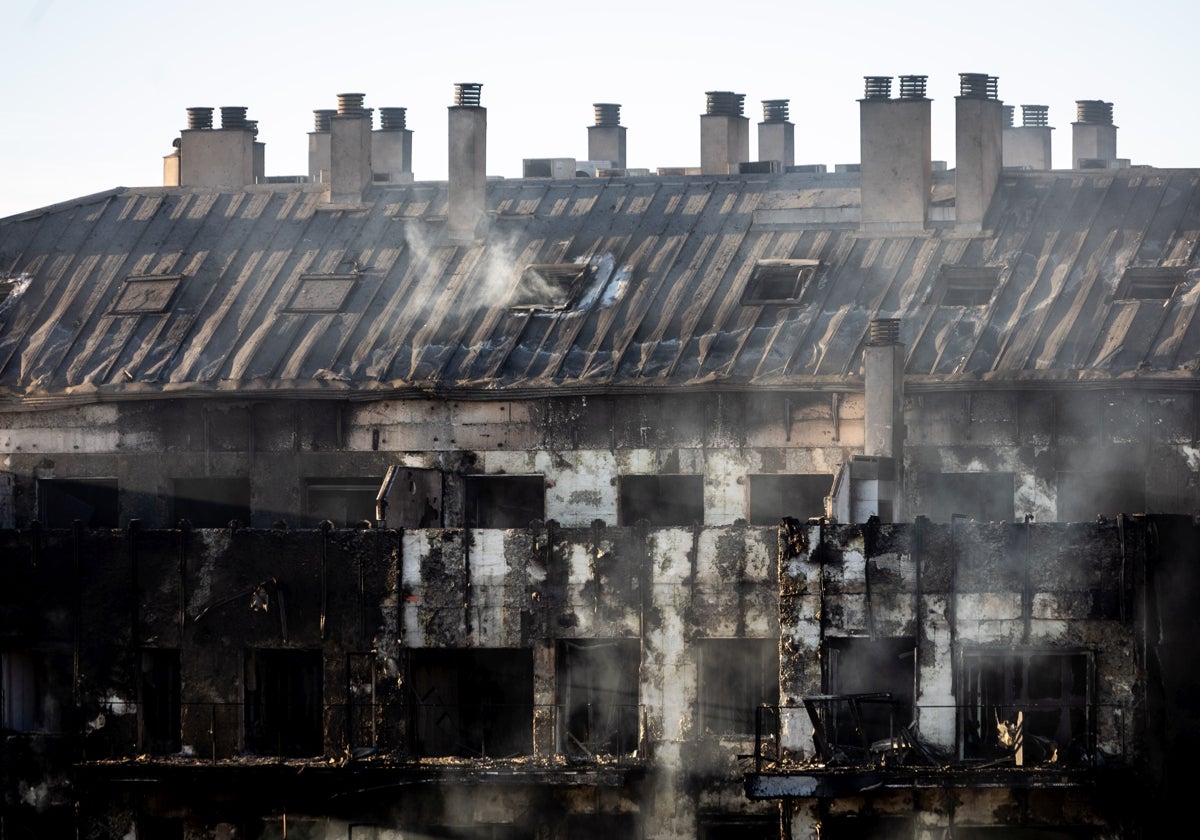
661	309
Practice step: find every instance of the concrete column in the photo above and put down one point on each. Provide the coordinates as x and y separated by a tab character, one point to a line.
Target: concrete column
896	155
606	139
349	150
979	155
1028	147
776	135
468	161
724	134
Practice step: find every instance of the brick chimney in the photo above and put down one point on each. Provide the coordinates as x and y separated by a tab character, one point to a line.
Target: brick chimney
349	150
606	139
1028	146
391	147
1093	135
979	151
724	134
223	157
468	161
776	135
896	155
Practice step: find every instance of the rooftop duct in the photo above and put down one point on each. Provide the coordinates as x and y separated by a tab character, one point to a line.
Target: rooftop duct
606	139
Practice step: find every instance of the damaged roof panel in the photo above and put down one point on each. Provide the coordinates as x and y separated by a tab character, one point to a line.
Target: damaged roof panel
669	260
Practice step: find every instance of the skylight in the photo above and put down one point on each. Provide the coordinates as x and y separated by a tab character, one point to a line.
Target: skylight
549	286
966	285
779	281
1150	283
321	293
146	294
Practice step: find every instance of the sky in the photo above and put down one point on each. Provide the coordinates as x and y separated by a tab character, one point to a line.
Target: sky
94	93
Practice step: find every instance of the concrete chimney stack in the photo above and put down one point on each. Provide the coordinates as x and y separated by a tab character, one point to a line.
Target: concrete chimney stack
349	150
724	134
896	155
1028	146
979	149
468	161
223	157
391	147
606	139
776	135
1093	135
318	146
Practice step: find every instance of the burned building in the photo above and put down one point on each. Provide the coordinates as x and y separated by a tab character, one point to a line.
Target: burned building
744	501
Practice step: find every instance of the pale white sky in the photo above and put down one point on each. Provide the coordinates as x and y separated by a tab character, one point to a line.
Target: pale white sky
94	91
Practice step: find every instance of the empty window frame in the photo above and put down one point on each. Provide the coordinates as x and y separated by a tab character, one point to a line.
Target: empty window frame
1083	496
736	677
211	502
661	500
158	701
1052	690
739	828
861	665
549	286
283	702
413	498
778	281
504	501
966	285
598	709
981	496
801	496
92	501
35	690
471	703
1149	283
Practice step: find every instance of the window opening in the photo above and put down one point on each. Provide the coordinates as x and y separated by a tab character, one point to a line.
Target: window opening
736	677
549	286
967	285
412	498
598	696
778	281
1082	496
212	502
661	500
472	703
604	827
504	501
283	702
93	501
35	687
984	497
863	666
158	702
801	496
740	828
361	712
1149	283
1051	691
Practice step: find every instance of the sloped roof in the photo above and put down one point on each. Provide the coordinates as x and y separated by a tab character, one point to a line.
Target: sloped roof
407	309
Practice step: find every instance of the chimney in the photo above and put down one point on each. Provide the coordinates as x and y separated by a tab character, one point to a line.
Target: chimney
259	151
1093	135
776	136
391	147
606	139
724	134
223	157
318	146
349	150
1028	146
979	151
468	161
896	155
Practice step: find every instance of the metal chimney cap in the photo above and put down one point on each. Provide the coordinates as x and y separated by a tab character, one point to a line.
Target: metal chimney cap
322	116
1037	116
977	86
1093	112
885	332
878	87
724	103
467	94
393	119
775	110
200	118
607	113
350	104
912	87
233	117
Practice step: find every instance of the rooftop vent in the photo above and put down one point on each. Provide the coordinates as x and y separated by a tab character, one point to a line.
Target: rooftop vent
966	285
607	113
322	119
885	332
724	103
1093	112
1036	116
350	105
912	87
200	118
233	117
878	87
466	94
393	119
775	110
977	86
1008	116
549	287
778	281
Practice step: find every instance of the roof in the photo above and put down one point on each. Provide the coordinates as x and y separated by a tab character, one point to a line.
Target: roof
268	289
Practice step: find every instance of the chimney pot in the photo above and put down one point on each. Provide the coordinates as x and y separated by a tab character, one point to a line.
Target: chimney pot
608	114
466	94
200	118
977	86
233	117
885	332
1094	112
393	119
724	103
1008	116
878	87
1036	116
775	110
322	118
912	87
350	104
